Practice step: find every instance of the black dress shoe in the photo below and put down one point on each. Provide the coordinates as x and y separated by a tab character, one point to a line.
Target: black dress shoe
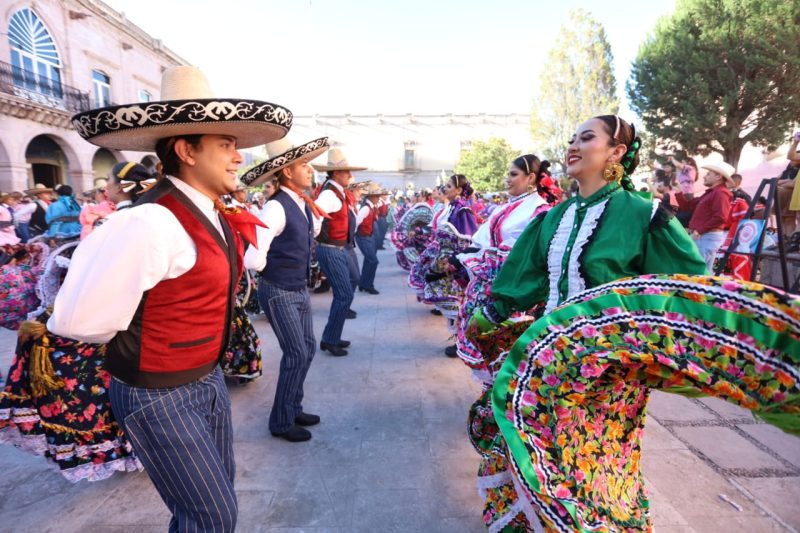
351	314
368	291
305	419
333	349
294	434
436	312
343	344
451	351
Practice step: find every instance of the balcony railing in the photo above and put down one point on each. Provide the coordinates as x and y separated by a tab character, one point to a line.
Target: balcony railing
40	90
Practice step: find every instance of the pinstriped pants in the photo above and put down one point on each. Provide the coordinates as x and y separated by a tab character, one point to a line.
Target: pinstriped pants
368	245
289	312
355	273
184	438
337	265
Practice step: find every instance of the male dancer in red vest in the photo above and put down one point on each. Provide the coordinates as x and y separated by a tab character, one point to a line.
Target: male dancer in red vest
367	235
157	281
333	241
283	256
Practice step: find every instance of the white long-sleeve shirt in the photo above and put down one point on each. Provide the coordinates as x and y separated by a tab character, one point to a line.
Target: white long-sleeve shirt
328	201
113	267
274	216
510	229
23	212
363	212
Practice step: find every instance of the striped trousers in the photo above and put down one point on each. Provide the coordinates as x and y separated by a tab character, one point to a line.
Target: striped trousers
289	312
368	247
184	438
355	273
337	265
383	227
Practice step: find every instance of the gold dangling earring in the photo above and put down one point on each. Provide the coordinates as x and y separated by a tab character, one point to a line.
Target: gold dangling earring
531	188
613	172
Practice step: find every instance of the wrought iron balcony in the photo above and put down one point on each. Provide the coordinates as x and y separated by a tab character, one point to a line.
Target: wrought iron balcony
42	91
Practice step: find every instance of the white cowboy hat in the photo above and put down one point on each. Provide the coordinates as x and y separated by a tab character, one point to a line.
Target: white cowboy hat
375	190
187	108
336	161
283	153
723	169
359	185
39	188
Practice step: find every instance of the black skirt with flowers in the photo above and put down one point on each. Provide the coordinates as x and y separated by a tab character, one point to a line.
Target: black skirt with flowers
70	422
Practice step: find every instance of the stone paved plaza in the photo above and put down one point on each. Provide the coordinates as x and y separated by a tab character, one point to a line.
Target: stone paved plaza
391	452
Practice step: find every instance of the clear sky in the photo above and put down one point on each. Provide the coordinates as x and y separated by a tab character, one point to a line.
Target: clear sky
364	57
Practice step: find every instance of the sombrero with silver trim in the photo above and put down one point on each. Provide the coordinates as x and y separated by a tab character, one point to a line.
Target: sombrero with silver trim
336	161
283	153
187	108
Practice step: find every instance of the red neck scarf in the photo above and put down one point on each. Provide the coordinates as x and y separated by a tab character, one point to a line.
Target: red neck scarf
316	211
241	220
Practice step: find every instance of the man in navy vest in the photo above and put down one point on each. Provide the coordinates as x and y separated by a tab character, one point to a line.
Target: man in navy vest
334	244
283	257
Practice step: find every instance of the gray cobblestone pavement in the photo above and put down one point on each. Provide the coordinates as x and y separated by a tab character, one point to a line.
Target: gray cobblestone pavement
391	452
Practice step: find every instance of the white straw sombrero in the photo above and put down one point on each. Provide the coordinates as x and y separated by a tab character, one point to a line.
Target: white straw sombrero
375	190
336	161
283	153
187	108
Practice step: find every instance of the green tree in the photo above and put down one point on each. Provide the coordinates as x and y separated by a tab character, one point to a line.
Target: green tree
485	164
718	74
577	83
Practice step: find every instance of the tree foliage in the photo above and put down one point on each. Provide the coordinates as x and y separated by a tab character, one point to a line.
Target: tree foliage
718	74
485	164
578	83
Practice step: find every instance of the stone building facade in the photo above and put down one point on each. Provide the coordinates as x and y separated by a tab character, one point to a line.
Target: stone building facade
58	57
411	149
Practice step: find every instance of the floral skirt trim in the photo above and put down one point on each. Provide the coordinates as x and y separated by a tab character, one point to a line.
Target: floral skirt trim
71	424
243	357
571	397
482	270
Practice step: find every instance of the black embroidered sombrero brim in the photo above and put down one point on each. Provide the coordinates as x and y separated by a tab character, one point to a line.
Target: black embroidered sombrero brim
139	126
305	152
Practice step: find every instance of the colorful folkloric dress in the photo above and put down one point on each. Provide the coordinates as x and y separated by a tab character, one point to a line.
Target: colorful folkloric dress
55	401
490	247
494	239
410	236
63	217
571	398
435	276
94	215
578	244
18	280
242	359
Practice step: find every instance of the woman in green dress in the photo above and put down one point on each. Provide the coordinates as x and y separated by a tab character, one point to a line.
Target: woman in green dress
562	424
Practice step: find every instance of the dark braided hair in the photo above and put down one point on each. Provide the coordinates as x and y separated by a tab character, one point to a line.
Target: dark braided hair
460	181
621	132
131	172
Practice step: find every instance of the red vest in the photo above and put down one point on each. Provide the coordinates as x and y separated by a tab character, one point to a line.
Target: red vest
383	210
336	230
365	228
181	327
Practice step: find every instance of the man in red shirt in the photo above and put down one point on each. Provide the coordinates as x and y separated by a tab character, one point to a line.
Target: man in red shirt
712	210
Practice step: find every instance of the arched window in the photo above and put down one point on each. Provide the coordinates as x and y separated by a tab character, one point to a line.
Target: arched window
34	56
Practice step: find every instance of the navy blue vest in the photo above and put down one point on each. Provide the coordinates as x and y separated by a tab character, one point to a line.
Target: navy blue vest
289	255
